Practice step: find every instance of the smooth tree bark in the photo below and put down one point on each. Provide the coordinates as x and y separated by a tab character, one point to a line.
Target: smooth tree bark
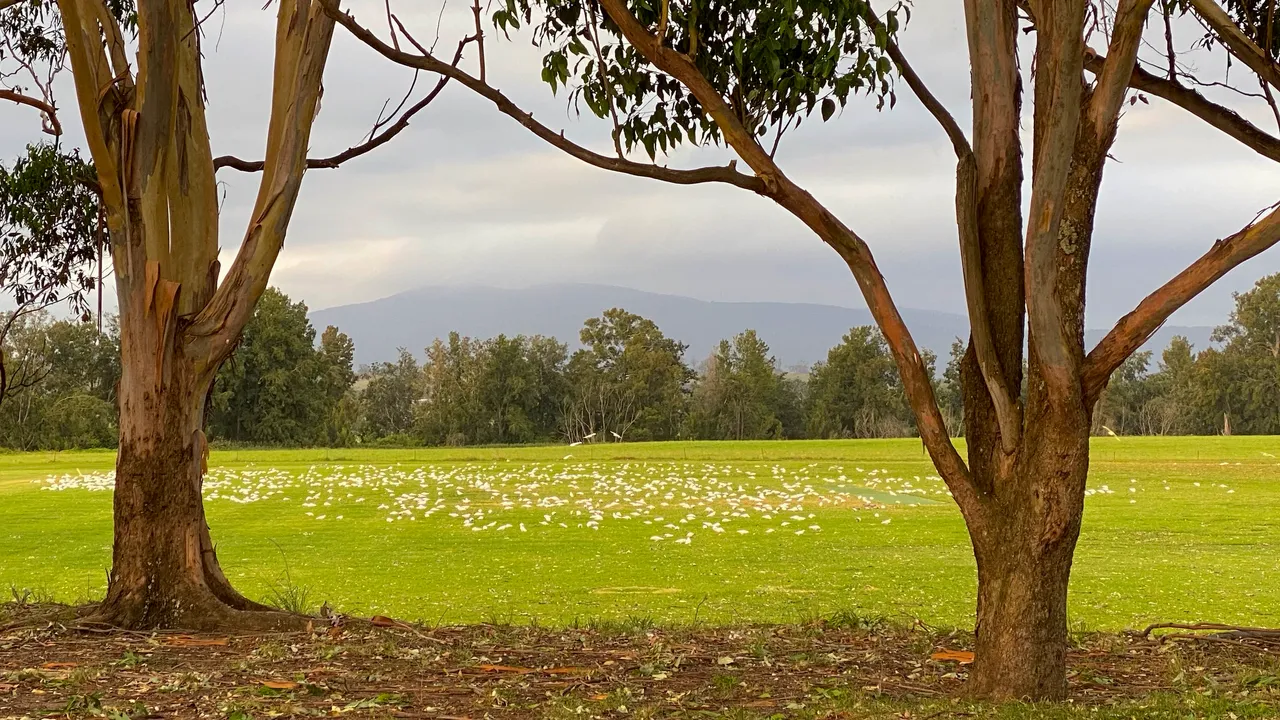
147	134
1021	492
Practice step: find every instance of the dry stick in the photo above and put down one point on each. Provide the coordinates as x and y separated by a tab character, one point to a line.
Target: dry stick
777	139
98	237
401	625
1245	630
1271	100
1266	89
1236	642
381	121
334	161
394	40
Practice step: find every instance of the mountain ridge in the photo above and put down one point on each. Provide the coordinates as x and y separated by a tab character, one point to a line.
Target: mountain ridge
797	333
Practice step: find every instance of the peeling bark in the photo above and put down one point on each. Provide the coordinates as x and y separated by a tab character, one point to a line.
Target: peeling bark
150	143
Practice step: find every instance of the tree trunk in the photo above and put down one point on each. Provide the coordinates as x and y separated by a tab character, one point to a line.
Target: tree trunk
1024	546
1021	625
165	572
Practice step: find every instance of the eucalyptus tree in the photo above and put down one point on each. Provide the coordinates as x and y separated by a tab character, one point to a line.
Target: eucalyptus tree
856	391
628	381
1241	378
142	106
742	72
740	394
275	388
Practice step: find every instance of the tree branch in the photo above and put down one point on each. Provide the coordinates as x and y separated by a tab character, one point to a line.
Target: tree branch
1058	97
333	161
1007	408
102	96
304	33
1240	45
927	98
475	9
916	380
427	62
53	127
593	30
1134	329
1218	116
857	255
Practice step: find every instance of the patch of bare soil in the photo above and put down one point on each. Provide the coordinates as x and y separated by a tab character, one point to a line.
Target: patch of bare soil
388	669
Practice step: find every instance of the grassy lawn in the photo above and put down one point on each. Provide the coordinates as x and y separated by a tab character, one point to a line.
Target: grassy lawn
1176	529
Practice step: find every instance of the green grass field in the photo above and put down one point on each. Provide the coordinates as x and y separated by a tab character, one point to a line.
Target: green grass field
1176	529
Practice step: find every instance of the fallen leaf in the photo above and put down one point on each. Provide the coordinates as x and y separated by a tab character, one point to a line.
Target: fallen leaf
726	660
59	665
190	641
504	668
382	621
566	670
964	657
279	684
599	697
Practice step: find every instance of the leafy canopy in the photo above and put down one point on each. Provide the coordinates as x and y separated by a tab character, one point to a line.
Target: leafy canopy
48	217
775	62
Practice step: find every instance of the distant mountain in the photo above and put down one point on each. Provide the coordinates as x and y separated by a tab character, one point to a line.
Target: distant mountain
798	333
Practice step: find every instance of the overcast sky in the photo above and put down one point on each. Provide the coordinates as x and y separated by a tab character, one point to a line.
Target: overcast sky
465	195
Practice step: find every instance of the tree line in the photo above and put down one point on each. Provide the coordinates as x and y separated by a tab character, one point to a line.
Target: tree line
284	386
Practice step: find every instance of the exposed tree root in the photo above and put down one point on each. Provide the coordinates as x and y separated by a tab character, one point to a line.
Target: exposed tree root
1253	637
207	614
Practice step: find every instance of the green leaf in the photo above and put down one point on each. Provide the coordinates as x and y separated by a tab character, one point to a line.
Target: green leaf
828	109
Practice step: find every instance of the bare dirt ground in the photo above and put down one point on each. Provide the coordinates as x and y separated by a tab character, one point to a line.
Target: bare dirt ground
829	669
